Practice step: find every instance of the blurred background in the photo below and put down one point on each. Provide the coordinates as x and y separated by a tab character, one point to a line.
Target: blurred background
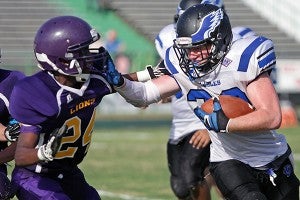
128	29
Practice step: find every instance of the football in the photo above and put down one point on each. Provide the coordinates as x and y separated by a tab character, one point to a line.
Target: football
232	106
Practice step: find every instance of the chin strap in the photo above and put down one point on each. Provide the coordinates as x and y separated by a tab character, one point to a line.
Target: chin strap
82	77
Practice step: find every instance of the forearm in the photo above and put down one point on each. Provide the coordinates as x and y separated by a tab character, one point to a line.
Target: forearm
255	121
8	153
267	114
26	156
26	151
2	129
139	94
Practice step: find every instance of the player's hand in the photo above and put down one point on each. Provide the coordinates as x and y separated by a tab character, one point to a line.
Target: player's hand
200	139
113	76
12	130
217	120
160	69
48	151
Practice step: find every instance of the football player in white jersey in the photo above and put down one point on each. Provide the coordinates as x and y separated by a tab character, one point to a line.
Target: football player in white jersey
186	162
185	127
249	159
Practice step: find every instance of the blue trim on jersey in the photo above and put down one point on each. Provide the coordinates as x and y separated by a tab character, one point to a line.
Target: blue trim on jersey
267	60
178	95
159	41
170	65
195	94
247	54
245	31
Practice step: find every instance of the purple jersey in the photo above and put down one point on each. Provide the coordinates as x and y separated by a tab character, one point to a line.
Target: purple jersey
41	104
7	82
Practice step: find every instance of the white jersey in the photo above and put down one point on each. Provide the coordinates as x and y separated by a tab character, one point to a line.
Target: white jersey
243	31
184	120
164	39
231	78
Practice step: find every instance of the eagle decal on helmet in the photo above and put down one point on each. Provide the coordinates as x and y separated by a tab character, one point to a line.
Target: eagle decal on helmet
208	25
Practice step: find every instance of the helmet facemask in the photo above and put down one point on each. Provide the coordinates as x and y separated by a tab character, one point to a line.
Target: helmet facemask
86	59
205	62
202	28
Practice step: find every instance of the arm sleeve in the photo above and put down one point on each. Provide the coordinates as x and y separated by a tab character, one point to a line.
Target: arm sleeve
139	94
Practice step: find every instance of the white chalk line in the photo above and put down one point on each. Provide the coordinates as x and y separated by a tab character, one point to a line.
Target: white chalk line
123	196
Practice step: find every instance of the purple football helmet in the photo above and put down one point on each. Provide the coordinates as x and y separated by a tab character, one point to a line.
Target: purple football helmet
62	44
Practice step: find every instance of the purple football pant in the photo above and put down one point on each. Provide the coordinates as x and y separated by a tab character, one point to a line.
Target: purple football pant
31	186
5	189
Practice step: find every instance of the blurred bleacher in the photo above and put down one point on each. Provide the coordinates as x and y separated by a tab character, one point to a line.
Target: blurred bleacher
151	16
137	23
19	21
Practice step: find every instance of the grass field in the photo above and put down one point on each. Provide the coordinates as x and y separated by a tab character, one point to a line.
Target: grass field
130	163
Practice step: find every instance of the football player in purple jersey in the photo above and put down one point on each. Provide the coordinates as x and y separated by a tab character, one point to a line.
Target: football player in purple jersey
56	108
9	128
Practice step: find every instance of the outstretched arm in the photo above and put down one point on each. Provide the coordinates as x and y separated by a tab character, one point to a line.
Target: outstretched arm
141	94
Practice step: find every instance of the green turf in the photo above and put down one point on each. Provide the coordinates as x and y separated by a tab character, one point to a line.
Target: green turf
132	162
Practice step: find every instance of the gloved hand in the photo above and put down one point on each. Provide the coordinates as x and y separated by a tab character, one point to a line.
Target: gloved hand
160	69
113	76
12	130
48	151
152	72
217	120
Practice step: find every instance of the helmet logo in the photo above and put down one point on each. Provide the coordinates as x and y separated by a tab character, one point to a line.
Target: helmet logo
41	57
218	3
94	34
208	25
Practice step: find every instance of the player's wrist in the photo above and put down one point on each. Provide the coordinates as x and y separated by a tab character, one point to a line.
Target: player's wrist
143	75
43	153
120	81
227	126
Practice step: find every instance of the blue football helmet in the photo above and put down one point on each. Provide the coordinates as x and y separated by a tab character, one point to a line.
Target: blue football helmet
201	26
183	5
218	3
